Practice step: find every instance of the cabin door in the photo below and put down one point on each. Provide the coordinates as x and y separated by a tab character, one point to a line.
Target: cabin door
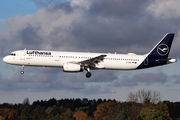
22	55
146	61
57	57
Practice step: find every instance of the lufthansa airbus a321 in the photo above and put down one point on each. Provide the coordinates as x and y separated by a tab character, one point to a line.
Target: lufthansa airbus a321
79	61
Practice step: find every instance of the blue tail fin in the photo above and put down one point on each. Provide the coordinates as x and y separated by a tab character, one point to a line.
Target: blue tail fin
162	49
158	55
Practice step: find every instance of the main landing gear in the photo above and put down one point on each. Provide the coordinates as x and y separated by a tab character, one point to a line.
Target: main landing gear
22	72
88	74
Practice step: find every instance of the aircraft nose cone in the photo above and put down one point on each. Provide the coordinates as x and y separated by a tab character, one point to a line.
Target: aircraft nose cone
5	59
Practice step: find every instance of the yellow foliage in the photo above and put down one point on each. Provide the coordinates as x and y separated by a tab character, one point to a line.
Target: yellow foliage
10	114
1	118
80	115
164	108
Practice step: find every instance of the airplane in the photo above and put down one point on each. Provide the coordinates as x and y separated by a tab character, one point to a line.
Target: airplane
80	61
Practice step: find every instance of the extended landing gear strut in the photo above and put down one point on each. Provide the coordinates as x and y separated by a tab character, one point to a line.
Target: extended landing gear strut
22	72
88	74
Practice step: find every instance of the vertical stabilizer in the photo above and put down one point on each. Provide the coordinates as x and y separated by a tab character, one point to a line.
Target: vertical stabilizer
159	54
162	49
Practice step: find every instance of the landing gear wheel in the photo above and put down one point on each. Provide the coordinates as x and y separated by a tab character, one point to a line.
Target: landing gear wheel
88	74
22	72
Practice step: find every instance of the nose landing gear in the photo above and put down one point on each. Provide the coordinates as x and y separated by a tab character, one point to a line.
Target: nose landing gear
22	72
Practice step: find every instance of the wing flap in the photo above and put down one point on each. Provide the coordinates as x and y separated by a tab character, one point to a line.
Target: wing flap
92	63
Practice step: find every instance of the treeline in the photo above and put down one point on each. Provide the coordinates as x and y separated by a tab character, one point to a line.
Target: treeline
85	109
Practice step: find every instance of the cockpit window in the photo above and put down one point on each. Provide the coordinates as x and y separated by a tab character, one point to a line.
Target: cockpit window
12	54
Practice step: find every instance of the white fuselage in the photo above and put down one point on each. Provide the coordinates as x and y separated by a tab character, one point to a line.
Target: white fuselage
59	58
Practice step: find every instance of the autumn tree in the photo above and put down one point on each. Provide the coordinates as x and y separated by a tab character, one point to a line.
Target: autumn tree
1	114
150	114
80	115
164	108
104	109
6	112
10	114
1	118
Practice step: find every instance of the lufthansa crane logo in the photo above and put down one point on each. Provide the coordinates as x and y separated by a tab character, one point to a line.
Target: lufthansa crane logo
162	49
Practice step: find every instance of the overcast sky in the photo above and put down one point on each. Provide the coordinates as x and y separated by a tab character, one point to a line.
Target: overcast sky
122	26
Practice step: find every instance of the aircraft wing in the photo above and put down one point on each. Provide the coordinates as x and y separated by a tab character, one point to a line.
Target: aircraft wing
93	62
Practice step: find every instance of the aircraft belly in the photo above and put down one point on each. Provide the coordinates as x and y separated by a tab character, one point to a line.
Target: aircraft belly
48	63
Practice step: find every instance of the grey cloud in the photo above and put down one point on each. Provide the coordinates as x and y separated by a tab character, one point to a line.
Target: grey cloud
97	76
98	89
99	29
29	35
39	82
49	79
42	3
63	6
145	79
177	79
118	8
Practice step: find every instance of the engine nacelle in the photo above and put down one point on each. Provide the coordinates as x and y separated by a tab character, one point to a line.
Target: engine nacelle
70	67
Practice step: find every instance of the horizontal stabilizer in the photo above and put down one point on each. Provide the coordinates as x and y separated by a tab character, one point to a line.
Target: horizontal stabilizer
168	60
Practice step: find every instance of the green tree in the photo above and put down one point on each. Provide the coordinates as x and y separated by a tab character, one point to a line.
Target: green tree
62	109
26	113
39	113
66	115
55	111
84	109
123	115
150	114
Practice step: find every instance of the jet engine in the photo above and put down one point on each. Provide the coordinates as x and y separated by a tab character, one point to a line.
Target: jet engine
70	67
